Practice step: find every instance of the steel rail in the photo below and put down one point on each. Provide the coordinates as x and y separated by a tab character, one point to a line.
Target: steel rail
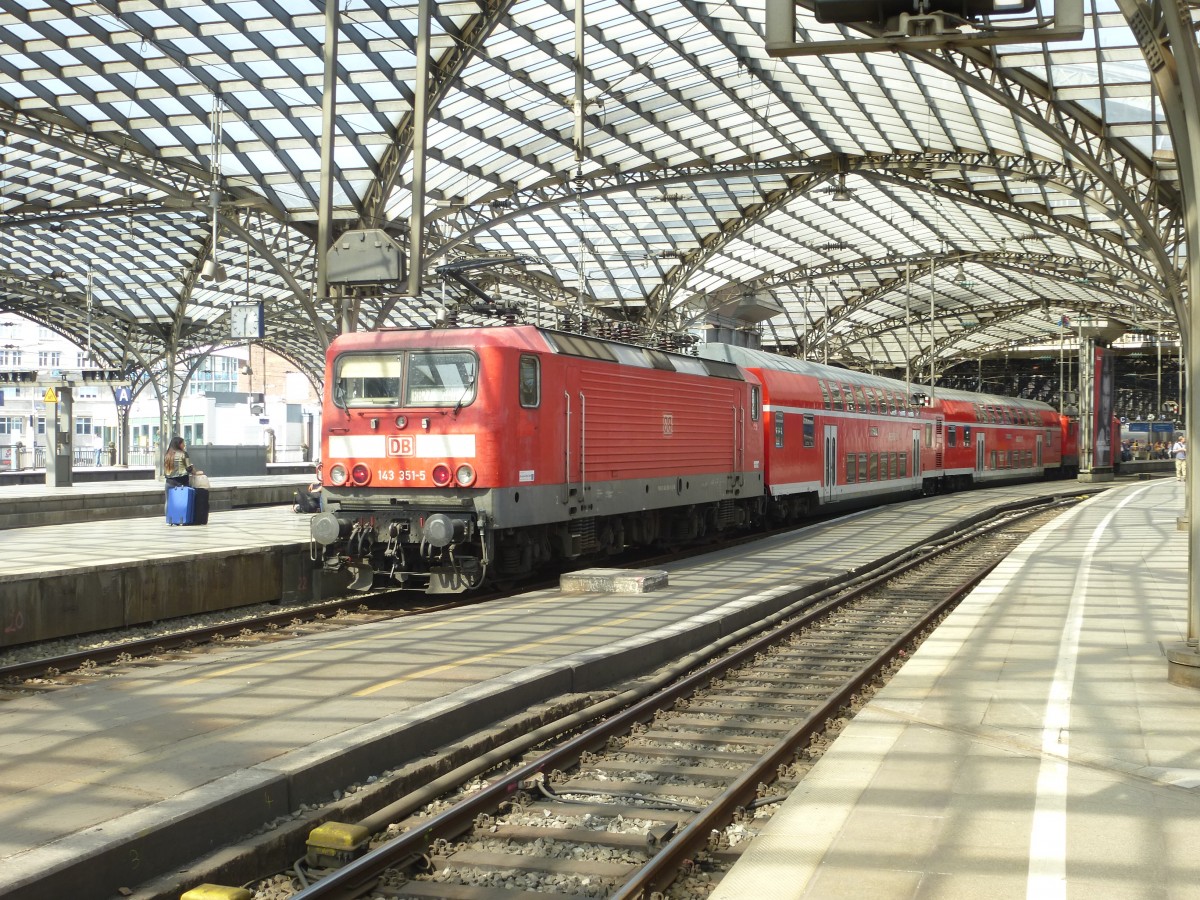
414	845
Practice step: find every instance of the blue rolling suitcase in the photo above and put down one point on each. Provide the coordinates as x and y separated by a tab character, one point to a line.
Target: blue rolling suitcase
181	505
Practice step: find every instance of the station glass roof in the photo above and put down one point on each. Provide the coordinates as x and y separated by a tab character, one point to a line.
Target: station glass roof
872	209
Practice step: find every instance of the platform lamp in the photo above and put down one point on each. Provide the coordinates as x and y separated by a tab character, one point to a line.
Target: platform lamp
213	270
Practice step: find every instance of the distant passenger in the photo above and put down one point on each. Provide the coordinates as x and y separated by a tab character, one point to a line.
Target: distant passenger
1179	451
177	468
309	501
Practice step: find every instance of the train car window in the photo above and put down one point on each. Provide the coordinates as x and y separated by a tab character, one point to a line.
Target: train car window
530	376
778	429
659	360
862	467
928	434
951	436
1005	416
892	464
631	356
850	468
837	394
755	402
689	366
575	345
994	455
368	379
825	394
848	393
720	369
873	471
866	399
440	378
966	435
904	465
810	431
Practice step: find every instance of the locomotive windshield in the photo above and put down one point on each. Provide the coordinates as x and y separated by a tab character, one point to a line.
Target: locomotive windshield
410	378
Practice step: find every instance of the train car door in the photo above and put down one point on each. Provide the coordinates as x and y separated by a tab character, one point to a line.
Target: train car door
831	460
979	451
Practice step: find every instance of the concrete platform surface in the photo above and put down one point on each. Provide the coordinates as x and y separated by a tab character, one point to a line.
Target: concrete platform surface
1032	747
159	764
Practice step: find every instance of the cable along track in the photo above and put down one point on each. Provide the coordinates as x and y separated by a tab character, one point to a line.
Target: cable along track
656	798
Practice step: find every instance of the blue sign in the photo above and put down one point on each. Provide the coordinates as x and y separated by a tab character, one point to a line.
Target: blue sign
124	396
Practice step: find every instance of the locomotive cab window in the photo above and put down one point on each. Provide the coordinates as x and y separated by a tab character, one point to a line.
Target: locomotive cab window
755	402
530	376
415	378
368	379
440	378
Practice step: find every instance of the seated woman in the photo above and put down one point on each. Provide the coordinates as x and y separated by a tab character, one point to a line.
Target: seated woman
309	501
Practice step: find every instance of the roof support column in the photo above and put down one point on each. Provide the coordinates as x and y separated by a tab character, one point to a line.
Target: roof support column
1177	74
420	123
328	110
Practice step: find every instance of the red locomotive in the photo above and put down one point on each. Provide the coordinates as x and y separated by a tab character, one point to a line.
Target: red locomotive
453	455
456	455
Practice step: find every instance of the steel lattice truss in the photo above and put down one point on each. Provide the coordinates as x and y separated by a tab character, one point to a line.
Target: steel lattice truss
896	208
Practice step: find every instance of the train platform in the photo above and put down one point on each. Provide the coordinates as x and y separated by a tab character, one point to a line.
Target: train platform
36	505
102	573
1032	746
111	783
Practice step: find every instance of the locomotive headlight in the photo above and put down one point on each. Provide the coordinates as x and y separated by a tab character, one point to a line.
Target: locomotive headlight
441	474
464	475
338	475
401	421
361	473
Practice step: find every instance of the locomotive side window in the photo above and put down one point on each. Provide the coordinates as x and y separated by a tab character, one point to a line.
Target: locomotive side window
892	464
440	378
810	431
928	434
873	474
862	467
530	376
755	402
850	467
904	465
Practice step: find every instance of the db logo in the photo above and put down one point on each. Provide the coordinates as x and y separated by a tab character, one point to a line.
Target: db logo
668	423
399	445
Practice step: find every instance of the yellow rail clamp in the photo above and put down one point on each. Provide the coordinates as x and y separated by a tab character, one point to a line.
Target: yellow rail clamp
335	844
216	892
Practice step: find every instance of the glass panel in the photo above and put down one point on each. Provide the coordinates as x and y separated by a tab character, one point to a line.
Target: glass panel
367	379
441	378
531	387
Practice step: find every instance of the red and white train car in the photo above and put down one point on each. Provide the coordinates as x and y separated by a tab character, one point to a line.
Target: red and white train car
451	455
834	436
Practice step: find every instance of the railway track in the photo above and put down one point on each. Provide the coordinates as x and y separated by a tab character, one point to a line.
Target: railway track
80	666
62	669
652	793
